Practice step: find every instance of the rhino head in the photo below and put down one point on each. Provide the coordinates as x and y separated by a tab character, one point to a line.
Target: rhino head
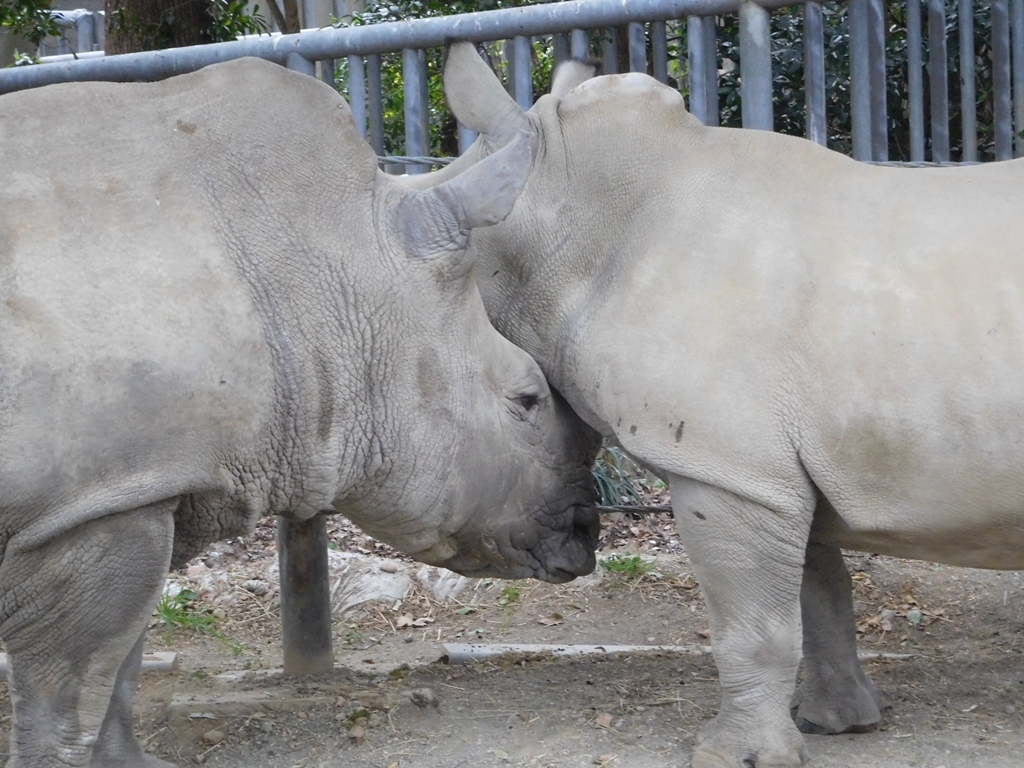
483	469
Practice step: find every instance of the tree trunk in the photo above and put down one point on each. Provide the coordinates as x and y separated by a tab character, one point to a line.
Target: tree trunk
149	25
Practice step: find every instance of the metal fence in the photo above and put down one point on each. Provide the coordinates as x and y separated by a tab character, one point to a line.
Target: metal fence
570	27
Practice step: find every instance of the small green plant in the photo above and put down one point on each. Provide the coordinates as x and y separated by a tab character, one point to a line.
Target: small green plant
184	612
352	635
632	567
510	596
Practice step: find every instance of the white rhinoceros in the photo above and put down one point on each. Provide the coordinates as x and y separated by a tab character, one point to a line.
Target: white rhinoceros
815	352
214	307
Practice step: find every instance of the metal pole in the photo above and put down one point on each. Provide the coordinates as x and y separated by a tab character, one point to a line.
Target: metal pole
86	26
375	103
610	51
1003	116
968	94
560	42
697	64
328	71
755	67
915	81
860	80
466	138
814	72
305	596
711	70
659	51
877	80
1017	27
357	92
417	140
301	64
637	47
335	43
523	71
939	80
579	44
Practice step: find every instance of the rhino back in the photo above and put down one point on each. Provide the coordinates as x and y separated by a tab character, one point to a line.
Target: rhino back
159	268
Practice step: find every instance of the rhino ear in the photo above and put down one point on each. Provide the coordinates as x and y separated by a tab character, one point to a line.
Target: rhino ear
569	74
477	98
485	193
437	220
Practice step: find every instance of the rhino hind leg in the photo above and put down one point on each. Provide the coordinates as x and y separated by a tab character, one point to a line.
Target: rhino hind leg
71	615
835	695
748	560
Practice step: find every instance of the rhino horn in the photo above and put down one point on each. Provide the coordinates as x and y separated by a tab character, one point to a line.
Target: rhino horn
569	74
477	97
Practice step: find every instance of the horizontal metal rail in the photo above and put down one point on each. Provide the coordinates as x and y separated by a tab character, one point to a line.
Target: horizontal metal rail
332	43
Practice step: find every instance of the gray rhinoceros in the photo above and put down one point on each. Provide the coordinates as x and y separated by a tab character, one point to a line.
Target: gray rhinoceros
214	307
815	352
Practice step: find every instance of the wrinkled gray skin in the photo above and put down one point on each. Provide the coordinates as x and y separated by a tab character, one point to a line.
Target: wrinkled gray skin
214	308
815	352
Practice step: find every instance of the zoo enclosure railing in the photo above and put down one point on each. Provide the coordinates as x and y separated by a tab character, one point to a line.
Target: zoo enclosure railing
305	590
571	27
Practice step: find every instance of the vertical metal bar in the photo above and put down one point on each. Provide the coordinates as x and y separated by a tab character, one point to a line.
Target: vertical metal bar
63	47
814	72
375	103
877	80
939	80
509	52
755	67
1017	28
697	63
711	70
522	72
417	141
86	26
579	45
308	8
305	596
100	30
560	43
466	138
860	82
1001	80
637	47
300	64
610	51
915	81
968	93
328	71
356	91
659	51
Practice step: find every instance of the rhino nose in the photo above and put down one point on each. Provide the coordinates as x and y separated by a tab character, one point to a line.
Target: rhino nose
586	526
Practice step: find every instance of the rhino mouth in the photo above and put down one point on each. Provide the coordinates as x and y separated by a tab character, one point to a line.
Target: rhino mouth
561	556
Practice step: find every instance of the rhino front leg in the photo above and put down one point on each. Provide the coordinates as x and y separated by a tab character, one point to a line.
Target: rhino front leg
71	615
748	560
835	695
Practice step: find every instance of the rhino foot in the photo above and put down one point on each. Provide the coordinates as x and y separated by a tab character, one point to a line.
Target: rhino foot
722	746
850	706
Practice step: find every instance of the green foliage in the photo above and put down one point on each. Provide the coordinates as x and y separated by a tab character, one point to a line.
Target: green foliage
632	567
184	612
510	596
616	476
230	19
28	18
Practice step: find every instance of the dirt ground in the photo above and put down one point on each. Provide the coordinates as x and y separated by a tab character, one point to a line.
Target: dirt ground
954	678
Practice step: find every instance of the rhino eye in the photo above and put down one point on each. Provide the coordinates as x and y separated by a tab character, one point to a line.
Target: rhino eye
527	402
